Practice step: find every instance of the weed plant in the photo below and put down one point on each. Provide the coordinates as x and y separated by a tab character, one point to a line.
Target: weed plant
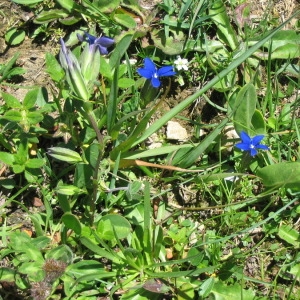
119	209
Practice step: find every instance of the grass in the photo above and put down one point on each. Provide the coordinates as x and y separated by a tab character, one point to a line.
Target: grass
90	209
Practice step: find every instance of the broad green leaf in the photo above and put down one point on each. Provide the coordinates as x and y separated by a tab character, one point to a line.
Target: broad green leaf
115	223
220	18
34	270
186	291
7	158
13	116
105	230
119	50
67	4
222	291
258	123
35	163
105	68
34	117
125	83
107	6
53	68
65	154
285	174
50	15
18	168
30	98
206	287
171	45
62	252
68	190
125	20
14	36
11	101
71	222
290	235
7	274
244	108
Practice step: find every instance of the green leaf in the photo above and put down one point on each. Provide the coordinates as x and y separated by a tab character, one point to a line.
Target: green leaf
258	122
115	223
68	190
7	158
11	101
105	68
170	45
244	108
220	18
27	2
34	117
30	98
107	6
7	274
97	250
34	163
222	291
13	116
67	4
62	252
194	154
65	154
47	16
125	20
34	271
71	222
53	68
18	168
119	50
290	235
285	174
14	36
125	83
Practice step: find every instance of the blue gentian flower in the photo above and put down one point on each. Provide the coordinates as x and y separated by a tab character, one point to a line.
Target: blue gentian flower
251	144
152	73
102	43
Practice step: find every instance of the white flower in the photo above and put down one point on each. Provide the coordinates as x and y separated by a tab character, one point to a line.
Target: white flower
181	63
132	61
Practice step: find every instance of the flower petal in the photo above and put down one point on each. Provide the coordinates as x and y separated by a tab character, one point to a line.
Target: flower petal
257	139
245	137
253	151
264	147
103	50
166	71
145	73
243	146
149	65
105	41
155	82
89	38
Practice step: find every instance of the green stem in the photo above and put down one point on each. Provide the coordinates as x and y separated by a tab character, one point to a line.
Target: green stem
92	120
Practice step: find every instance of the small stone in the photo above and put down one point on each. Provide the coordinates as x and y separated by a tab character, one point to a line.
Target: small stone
176	132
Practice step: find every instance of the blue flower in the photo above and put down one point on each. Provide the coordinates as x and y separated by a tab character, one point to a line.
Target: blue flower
101	43
251	144
152	73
